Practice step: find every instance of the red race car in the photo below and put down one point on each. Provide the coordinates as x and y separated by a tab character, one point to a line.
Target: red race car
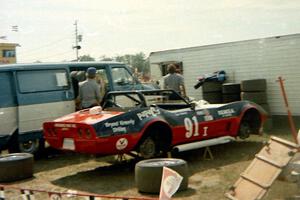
149	123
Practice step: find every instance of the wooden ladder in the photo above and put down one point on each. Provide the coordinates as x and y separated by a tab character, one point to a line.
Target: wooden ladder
255	181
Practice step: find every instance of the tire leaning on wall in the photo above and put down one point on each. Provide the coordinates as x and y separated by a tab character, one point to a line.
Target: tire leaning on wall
212	86
148	173
256	97
18	166
212	97
231	88
254	85
231	92
227	98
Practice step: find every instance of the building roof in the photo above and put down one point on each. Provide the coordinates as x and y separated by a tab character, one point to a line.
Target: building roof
8	44
225	43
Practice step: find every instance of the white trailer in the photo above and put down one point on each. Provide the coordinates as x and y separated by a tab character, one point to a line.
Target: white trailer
266	58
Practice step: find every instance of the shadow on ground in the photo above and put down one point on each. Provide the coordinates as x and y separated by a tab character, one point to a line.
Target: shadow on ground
104	180
114	178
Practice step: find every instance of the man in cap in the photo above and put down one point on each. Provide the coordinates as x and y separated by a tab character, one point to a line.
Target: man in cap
89	90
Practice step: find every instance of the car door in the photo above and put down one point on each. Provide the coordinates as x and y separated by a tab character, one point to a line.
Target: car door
8	107
44	94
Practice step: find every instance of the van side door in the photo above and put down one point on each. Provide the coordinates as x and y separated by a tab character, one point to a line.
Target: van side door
8	107
44	95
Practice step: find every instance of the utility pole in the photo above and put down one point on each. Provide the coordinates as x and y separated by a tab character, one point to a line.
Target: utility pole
78	38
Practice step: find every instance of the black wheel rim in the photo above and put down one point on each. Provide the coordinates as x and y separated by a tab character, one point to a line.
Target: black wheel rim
148	148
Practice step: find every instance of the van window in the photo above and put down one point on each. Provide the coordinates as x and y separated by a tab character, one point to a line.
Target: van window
42	80
8	96
121	76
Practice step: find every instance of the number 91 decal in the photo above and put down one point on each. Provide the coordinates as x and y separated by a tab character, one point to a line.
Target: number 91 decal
192	127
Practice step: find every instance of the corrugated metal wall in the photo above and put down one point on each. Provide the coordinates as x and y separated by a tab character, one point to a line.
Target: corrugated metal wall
261	58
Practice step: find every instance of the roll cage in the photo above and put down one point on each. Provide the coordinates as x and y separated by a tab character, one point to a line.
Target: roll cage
128	100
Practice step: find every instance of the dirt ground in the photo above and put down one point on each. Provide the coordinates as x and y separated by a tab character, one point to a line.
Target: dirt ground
209	179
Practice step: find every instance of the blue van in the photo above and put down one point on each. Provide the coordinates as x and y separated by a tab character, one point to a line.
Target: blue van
33	93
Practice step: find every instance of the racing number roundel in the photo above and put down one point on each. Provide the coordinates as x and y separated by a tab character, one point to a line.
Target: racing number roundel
121	143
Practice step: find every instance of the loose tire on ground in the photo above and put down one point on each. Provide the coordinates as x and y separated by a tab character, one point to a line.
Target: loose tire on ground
148	173
256	97
212	87
18	166
231	88
254	85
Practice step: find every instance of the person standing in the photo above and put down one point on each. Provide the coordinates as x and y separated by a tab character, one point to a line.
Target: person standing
89	90
174	81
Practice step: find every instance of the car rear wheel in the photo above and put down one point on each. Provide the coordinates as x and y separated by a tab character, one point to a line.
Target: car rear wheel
245	130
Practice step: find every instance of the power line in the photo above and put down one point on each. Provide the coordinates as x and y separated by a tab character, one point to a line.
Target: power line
53	55
44	46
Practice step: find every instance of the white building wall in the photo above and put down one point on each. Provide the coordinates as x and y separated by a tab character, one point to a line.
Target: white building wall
266	58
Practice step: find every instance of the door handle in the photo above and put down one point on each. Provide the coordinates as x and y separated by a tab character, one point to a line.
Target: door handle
67	94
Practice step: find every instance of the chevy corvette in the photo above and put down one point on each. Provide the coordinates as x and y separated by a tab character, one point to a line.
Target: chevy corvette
148	123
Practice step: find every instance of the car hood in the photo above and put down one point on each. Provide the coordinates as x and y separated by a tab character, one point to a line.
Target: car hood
86	117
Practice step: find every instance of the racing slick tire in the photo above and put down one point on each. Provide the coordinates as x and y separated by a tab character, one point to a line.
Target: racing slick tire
231	88
231	97
212	86
18	166
256	97
213	97
254	85
148	173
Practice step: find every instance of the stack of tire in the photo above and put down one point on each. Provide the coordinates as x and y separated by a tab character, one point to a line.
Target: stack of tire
255	90
231	92
212	91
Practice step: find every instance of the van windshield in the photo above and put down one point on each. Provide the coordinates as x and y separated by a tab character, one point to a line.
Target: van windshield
121	77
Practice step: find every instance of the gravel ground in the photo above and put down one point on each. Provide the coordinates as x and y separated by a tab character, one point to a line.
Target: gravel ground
209	179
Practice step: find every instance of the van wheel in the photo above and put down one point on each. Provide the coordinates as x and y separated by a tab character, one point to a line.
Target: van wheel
30	146
19	166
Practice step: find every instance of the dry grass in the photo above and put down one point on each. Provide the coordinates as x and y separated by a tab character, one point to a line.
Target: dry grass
209	179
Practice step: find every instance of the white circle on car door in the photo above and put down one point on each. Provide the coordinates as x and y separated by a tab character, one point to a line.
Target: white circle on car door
121	143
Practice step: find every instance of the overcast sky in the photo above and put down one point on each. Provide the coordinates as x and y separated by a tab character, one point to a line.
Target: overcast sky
117	27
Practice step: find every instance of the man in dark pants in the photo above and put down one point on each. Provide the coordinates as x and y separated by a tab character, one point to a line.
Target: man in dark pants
89	90
174	81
